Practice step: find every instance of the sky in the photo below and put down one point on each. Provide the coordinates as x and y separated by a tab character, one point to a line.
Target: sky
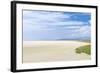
53	25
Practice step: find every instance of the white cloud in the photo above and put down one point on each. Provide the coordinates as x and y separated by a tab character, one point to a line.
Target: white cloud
83	32
44	16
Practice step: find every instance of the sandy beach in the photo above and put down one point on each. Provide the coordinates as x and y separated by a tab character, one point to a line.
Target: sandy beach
48	51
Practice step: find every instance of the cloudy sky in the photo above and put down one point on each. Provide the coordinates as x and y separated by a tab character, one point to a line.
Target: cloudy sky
48	25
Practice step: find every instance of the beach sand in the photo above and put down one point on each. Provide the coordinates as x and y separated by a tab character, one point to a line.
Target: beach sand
50	51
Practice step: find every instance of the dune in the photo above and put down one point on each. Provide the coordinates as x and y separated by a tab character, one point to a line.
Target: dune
48	51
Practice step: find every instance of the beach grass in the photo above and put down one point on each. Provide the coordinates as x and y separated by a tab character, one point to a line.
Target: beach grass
84	49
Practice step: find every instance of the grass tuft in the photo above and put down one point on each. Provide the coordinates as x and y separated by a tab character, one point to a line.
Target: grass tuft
84	49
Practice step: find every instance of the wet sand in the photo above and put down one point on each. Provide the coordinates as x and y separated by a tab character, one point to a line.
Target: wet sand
48	51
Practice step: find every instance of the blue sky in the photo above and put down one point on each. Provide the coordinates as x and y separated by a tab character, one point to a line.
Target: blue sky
49	25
